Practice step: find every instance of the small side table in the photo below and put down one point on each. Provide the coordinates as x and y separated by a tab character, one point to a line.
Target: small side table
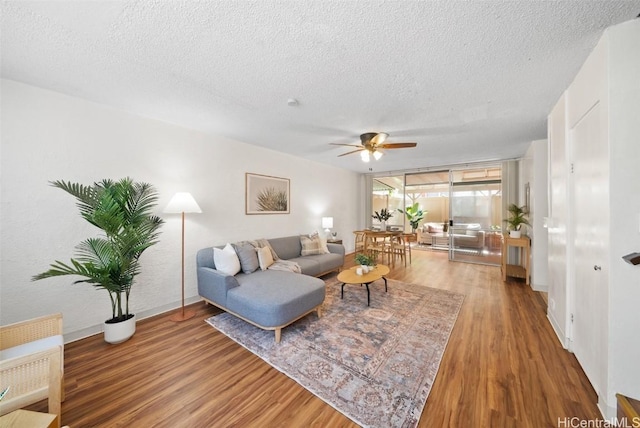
517	271
349	276
334	241
628	409
26	418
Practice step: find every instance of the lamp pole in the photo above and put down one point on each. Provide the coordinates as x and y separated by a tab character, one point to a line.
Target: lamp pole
182	203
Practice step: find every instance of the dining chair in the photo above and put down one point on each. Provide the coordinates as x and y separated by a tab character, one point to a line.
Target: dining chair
408	239
399	249
376	247
360	241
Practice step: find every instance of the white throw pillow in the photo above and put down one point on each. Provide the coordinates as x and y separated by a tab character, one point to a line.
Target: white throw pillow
226	260
264	257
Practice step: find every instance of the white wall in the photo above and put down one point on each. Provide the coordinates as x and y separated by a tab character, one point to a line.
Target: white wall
48	136
617	321
534	171
558	230
624	157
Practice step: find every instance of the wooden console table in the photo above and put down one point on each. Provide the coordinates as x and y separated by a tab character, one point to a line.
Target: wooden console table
628	411
521	270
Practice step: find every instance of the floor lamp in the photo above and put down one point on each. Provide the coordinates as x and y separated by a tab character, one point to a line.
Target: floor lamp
182	202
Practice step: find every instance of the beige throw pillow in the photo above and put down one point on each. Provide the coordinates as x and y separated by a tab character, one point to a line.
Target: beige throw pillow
323	245
312	244
264	257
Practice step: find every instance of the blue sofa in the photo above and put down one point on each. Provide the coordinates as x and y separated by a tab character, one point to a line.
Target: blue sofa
270	299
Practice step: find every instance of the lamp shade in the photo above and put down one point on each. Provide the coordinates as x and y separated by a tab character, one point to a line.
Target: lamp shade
182	202
327	222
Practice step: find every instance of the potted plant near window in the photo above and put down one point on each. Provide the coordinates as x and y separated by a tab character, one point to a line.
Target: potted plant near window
517	217
414	215
382	217
122	210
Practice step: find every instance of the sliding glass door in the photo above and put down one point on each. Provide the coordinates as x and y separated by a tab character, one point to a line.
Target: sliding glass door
431	191
462	210
476	215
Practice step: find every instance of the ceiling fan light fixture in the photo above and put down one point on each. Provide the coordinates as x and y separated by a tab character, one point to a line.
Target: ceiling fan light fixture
371	144
380	138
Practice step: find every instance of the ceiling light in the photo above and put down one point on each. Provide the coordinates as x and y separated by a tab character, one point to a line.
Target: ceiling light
364	155
379	138
377	155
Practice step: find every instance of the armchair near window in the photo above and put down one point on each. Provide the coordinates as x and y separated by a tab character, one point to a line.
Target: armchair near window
31	363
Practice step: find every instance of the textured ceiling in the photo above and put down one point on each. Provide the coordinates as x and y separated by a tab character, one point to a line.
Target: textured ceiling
467	80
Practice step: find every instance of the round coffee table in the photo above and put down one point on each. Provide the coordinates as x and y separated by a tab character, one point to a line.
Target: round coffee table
349	276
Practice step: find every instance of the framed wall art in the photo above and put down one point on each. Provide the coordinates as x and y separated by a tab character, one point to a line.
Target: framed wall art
267	195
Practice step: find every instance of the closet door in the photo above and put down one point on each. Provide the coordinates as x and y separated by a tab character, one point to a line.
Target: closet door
591	246
588	136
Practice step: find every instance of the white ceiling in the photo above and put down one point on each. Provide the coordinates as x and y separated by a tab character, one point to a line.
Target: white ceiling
467	80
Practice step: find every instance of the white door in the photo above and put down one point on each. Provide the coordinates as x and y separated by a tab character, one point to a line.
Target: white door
591	237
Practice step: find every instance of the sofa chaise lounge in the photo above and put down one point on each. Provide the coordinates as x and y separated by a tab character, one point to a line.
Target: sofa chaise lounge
270	299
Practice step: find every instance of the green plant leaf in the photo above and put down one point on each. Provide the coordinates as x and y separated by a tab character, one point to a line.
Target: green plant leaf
123	210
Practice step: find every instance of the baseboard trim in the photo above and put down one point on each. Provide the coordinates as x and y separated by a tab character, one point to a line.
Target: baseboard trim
542	288
559	333
97	329
609	413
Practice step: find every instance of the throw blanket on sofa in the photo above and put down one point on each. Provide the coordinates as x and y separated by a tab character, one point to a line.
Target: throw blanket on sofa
286	265
278	263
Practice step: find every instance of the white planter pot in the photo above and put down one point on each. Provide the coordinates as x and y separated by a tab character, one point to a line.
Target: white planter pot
119	332
515	233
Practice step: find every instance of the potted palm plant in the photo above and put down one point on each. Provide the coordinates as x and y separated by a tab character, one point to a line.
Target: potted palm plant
517	217
122	210
414	215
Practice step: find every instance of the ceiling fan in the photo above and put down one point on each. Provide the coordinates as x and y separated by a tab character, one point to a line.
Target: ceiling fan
371	144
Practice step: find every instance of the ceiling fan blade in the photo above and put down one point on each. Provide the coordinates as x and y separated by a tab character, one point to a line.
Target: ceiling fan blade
379	138
348	145
396	145
355	151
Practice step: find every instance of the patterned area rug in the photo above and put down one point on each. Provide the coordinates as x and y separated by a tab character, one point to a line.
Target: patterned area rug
374	364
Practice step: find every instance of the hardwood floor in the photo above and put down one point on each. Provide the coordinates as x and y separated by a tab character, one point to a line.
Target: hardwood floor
503	367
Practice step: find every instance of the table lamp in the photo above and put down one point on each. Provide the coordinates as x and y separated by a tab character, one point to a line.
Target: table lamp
327	224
